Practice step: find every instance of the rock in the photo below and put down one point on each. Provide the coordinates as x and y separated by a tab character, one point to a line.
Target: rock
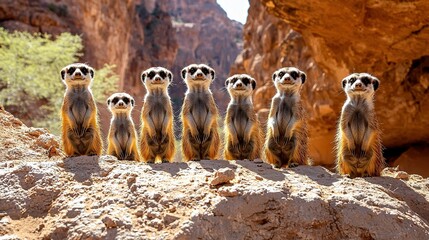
414	160
402	175
305	34
109	222
222	176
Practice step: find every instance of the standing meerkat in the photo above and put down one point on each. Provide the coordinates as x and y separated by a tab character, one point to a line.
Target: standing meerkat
200	137
122	139
157	137
242	128
80	130
359	150
286	140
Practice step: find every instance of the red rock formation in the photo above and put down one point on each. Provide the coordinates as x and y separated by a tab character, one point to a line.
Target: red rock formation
385	38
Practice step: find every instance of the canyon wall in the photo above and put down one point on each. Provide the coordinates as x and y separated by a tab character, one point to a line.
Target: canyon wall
331	40
135	35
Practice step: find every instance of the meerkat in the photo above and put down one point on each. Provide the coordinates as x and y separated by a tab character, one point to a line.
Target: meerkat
286	140
122	138
242	128
359	149
157	136
80	129
200	137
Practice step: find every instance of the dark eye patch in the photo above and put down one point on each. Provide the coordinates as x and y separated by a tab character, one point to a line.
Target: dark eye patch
366	80
281	74
151	74
115	100
294	74
205	70
126	100
84	70
245	81
352	80
71	70
162	74
192	70
234	80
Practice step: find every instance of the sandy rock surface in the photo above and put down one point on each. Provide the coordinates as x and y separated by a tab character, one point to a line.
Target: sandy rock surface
50	197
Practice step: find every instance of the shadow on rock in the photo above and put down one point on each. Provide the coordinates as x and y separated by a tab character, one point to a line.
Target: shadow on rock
211	165
264	170
171	168
398	189
82	167
319	174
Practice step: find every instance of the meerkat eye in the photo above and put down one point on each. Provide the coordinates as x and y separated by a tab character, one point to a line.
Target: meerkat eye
234	80
115	100
281	74
192	70
84	70
125	100
245	80
162	74
294	75
71	70
365	80
205	70
151	74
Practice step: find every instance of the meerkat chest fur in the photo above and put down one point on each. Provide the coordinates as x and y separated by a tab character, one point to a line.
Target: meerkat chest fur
286	115
357	114
240	116
122	124
78	103
199	108
158	110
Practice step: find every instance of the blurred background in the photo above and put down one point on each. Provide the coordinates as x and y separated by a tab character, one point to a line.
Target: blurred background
326	39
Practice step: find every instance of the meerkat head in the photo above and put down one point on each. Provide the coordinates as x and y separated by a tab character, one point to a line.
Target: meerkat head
120	103
156	78
77	74
198	75
360	84
240	85
289	78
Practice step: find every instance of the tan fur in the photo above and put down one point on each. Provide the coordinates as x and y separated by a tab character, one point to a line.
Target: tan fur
286	139
243	135
358	142
80	129
157	139
122	138
200	137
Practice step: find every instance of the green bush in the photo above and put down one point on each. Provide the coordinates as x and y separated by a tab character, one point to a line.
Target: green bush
30	83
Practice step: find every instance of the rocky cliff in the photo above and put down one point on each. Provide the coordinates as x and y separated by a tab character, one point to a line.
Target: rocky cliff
329	41
45	196
135	35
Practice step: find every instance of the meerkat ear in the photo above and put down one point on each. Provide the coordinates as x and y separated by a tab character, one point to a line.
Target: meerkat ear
91	71
274	76
375	83
143	77
303	77
227	82
132	102
212	72
108	101
253	83
63	74
344	82
183	72
170	76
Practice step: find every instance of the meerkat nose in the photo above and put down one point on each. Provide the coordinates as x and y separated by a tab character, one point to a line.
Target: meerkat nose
121	104
199	75
239	84
359	85
78	74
